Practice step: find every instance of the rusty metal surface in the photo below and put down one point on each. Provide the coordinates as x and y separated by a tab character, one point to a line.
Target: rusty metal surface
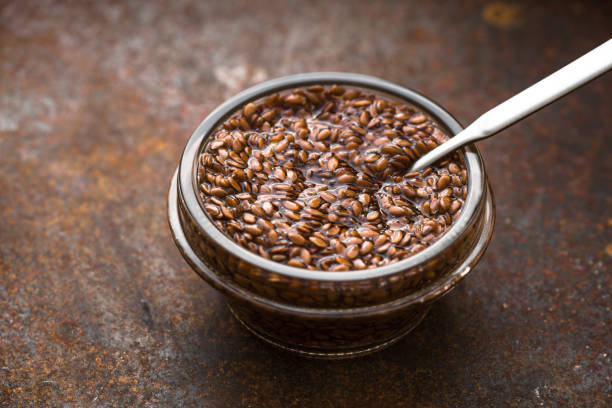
97	307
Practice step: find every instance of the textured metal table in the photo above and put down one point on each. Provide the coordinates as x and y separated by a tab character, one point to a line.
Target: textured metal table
97	307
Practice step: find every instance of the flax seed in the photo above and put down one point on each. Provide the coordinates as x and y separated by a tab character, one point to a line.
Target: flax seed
253	230
296	238
318	242
248	217
291	205
454	206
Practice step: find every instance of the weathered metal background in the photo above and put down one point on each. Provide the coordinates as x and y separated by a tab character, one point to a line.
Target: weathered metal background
97	307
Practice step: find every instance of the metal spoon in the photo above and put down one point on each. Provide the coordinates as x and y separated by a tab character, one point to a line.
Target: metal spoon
549	89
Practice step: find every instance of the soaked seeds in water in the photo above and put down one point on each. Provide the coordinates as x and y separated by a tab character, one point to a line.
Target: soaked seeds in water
316	178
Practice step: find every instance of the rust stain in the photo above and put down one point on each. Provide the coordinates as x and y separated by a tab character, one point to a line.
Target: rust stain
68	332
502	14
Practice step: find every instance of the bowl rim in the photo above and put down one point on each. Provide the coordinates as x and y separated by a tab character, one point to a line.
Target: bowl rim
187	181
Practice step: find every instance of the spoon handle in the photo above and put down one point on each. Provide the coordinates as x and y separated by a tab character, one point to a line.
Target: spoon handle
549	89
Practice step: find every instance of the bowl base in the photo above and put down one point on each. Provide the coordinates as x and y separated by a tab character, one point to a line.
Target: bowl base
330	354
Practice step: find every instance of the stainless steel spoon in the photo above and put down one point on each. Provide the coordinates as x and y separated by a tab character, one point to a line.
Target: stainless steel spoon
548	90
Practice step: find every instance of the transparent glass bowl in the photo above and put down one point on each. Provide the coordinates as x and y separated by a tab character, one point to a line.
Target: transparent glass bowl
318	313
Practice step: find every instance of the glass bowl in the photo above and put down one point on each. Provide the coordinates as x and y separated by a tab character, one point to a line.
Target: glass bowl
326	314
